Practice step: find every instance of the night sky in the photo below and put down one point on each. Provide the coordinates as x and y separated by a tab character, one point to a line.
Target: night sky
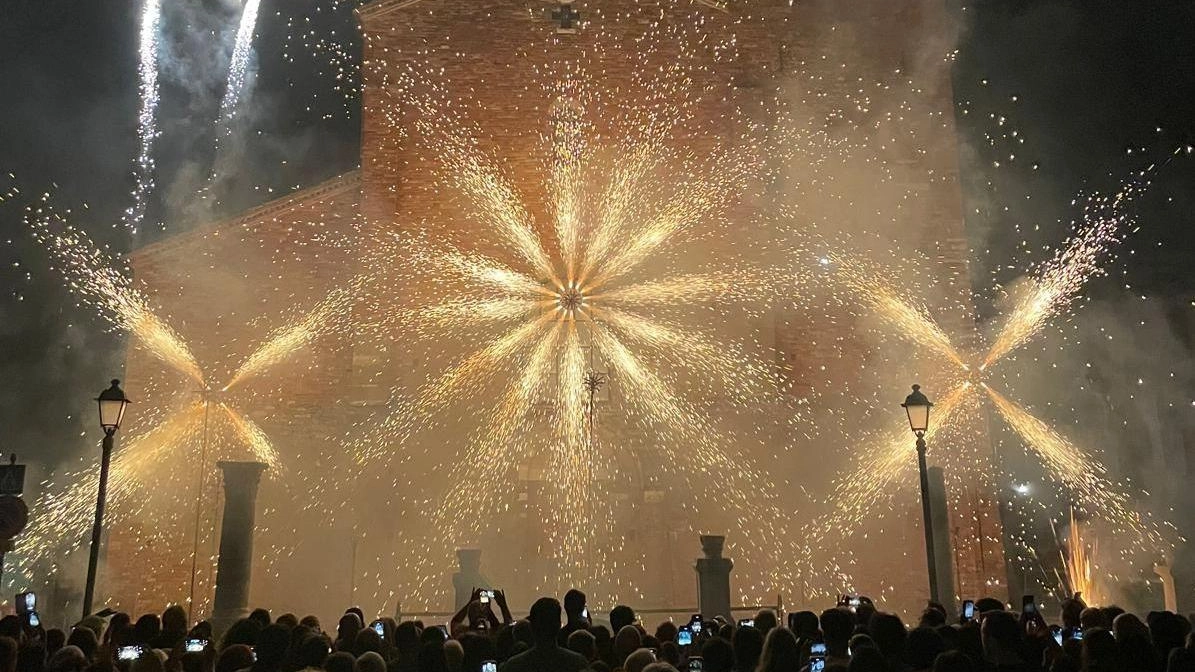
1092	79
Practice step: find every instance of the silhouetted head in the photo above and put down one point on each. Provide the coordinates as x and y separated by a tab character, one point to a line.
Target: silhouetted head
1072	609
922	647
986	604
620	617
234	657
348	627
582	642
313	651
639	659
8	654
765	620
717	655
1001	634
780	652
288	619
85	639
954	661
574	604
55	639
147	629
271	646
406	637
1099	650
243	631
748	647
889	633
837	626
67	659
174	620
311	622
367	640
626	641
867	659
371	661
804	624
545	620
341	661
262	616
666	632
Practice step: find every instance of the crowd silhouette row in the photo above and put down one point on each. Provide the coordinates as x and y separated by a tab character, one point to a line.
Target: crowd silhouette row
554	637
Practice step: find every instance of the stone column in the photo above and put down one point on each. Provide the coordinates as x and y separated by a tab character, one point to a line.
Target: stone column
468	576
234	567
713	579
947	586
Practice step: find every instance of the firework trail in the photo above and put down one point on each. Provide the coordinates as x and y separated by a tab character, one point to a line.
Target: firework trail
239	65
147	70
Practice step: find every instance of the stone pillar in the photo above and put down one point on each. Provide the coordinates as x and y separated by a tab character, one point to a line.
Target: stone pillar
713	579
947	586
234	567
468	576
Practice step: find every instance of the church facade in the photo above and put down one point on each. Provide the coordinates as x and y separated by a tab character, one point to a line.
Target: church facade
230	283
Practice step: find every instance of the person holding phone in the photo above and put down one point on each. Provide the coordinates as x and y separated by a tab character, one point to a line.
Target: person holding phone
478	613
576	615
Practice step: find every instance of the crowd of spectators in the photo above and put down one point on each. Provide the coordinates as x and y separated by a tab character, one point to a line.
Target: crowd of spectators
851	637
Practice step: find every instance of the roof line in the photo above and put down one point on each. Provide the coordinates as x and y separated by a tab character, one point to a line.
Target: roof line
376	8
340	183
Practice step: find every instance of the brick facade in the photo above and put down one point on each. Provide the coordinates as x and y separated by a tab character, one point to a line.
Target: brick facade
230	281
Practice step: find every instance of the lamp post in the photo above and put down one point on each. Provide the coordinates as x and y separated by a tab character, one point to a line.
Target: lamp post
917	408
112	403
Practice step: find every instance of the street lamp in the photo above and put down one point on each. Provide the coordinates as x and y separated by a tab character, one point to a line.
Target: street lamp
112	403
917	408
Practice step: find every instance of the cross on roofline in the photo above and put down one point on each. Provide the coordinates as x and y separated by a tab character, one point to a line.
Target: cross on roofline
569	19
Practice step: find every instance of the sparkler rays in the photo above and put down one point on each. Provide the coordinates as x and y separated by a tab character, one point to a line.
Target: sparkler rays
576	281
1052	291
164	431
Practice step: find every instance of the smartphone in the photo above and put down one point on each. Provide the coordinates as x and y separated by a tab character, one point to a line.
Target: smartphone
486	596
585	613
695	664
128	652
26	602
1057	633
444	629
746	622
34	619
817	657
1028	606
968	610
1077	633
695	624
489	666
196	645
684	636
380	628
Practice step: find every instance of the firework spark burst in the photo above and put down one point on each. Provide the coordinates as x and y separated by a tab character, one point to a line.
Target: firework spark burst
1053	290
582	279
